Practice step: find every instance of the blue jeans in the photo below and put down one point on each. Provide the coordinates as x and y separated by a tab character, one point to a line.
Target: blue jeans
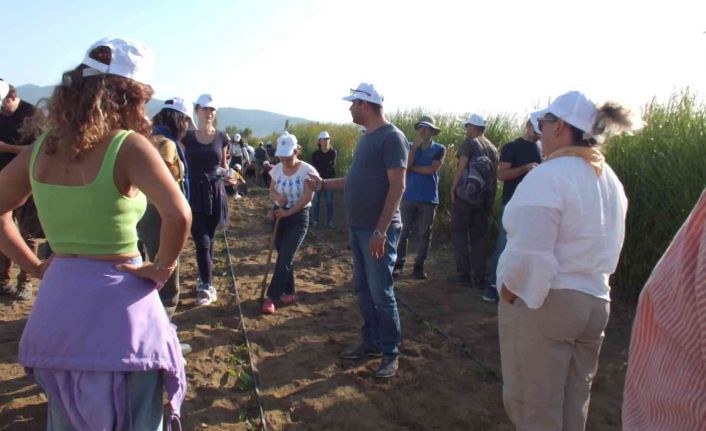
290	235
500	243
317	202
373	282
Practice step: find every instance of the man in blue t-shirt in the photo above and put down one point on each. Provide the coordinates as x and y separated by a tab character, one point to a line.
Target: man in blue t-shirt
421	195
517	159
372	192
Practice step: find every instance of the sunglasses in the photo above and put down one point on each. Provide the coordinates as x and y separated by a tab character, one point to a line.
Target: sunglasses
548	118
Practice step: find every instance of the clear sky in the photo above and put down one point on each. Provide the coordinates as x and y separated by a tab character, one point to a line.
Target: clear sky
300	57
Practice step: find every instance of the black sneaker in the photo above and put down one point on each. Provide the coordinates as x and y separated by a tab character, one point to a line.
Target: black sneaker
7	289
24	291
419	273
459	278
388	368
360	352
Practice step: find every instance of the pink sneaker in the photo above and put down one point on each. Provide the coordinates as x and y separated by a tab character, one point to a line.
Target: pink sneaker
287	299
268	307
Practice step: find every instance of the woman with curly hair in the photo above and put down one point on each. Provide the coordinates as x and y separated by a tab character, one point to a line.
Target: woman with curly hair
98	340
565	228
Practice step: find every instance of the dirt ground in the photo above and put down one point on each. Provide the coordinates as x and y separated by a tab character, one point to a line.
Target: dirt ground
304	386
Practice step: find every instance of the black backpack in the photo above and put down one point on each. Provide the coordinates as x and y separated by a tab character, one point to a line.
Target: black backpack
477	182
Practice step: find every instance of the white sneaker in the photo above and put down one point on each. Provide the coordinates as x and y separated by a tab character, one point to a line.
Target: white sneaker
206	294
237	196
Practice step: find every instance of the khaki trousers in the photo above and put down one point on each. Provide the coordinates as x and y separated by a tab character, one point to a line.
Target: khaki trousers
549	357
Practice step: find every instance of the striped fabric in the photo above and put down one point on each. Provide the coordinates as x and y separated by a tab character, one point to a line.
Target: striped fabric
665	388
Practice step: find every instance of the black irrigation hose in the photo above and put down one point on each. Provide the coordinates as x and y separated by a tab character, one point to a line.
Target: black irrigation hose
253	369
461	347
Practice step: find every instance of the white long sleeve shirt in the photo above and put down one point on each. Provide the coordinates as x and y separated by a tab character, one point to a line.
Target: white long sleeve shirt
565	229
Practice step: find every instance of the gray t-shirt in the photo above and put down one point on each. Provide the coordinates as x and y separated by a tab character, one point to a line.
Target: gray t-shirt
366	184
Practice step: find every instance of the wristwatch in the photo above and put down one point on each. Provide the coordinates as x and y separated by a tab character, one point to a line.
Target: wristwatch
378	234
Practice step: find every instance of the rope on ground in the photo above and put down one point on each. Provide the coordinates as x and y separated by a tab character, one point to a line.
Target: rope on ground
253	369
460	346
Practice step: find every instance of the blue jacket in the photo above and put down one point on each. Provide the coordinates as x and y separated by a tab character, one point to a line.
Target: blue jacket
161	130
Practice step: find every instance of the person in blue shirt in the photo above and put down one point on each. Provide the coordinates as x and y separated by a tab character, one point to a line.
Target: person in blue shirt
421	196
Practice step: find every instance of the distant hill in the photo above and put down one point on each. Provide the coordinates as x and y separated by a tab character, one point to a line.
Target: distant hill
261	122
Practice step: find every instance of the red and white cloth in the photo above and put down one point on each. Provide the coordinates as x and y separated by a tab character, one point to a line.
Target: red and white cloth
665	388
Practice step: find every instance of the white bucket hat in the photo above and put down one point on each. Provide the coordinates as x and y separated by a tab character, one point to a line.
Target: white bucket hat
365	92
286	144
324	135
573	108
475	120
129	59
237	137
206	101
4	89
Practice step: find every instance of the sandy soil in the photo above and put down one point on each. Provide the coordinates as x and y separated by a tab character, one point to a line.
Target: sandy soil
304	386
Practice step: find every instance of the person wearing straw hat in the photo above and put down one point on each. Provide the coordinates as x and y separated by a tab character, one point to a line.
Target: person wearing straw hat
292	196
324	161
472	197
206	150
169	128
517	159
421	194
14	113
97	340
372	190
565	228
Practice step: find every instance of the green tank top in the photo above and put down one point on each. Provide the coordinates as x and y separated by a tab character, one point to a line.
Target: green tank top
93	219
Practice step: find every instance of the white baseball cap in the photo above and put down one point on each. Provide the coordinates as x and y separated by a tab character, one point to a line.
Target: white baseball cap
238	167
475	120
206	101
129	59
324	135
180	105
237	137
286	144
4	89
573	108
365	92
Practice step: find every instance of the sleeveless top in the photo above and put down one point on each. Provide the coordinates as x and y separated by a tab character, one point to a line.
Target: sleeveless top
93	219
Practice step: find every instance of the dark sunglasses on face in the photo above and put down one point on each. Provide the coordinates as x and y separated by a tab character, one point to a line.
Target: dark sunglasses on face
548	118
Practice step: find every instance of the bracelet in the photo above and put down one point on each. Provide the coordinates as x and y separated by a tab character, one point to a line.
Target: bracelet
170	268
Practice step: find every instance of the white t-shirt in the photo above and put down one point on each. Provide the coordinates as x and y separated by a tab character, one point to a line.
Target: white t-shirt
565	229
292	186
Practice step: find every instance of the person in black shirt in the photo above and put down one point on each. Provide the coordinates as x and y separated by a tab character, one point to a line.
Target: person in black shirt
14	114
206	150
260	158
517	159
324	161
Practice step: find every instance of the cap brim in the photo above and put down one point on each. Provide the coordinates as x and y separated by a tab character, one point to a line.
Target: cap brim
279	153
350	98
534	120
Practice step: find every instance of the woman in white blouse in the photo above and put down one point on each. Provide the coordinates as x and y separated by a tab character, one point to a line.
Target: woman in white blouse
292	196
565	227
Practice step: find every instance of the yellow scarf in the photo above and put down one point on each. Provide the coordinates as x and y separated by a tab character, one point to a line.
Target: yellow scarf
591	155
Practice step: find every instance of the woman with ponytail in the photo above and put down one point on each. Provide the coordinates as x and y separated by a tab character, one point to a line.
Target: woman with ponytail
565	228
